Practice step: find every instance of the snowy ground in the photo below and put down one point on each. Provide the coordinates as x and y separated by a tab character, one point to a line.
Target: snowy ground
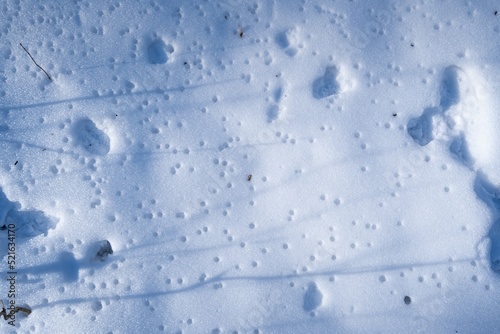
254	166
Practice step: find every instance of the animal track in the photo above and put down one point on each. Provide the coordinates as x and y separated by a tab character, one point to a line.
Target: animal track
88	136
450	90
158	52
444	122
420	128
312	298
277	108
436	121
288	41
27	224
327	85
460	150
490	195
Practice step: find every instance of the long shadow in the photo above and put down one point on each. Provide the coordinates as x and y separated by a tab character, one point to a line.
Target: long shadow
222	278
159	90
66	265
214	279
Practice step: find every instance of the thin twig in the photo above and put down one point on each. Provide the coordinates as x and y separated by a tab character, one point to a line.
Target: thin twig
40	67
4	314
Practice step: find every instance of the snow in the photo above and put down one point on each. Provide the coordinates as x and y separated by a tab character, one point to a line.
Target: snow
251	167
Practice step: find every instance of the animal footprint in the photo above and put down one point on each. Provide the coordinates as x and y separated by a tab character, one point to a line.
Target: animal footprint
327	85
158	52
460	151
450	89
434	120
288	41
420	128
490	195
277	108
313	298
88	136
447	121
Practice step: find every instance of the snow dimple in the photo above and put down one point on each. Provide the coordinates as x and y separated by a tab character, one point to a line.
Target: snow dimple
97	306
313	298
92	139
26	223
158	52
327	85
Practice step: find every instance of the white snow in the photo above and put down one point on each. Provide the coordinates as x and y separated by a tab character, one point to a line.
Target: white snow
250	166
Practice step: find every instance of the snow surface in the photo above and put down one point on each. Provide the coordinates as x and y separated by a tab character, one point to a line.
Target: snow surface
256	166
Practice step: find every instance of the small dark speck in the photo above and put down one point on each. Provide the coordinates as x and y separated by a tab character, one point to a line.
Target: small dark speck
3	227
249	177
185	63
412	45
407	300
496	12
394	115
15	163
